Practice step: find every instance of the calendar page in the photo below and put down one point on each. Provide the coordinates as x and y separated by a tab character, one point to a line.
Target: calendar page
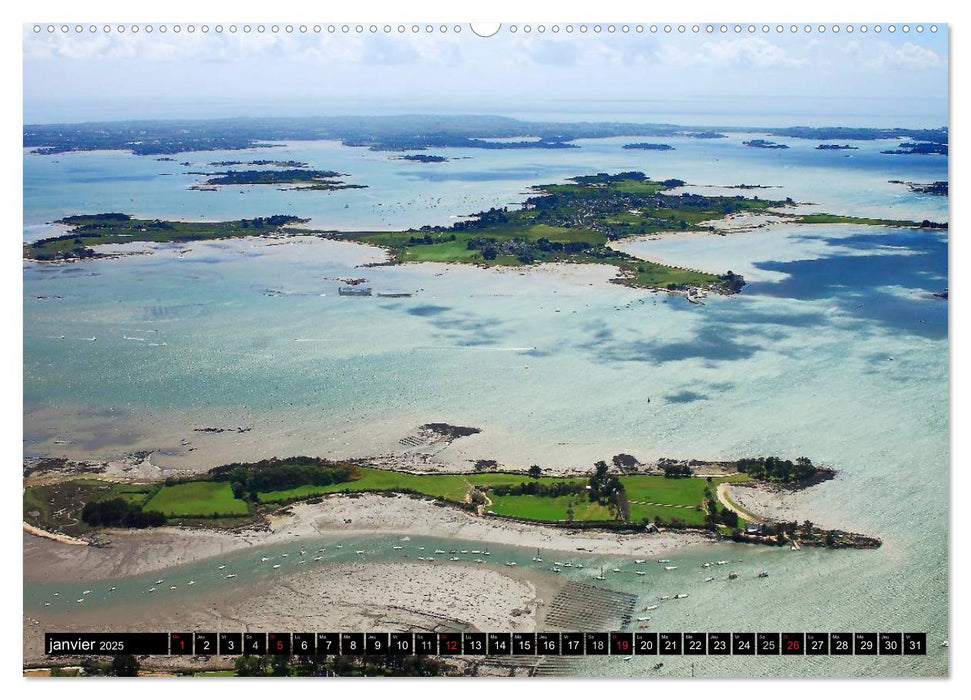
422	348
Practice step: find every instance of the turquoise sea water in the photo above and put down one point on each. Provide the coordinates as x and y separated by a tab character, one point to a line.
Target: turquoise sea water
554	369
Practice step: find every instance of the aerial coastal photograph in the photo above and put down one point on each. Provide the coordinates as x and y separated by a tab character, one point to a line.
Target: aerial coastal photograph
579	350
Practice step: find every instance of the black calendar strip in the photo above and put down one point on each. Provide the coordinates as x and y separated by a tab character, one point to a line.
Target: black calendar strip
489	643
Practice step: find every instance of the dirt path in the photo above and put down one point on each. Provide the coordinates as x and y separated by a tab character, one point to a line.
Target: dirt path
724	498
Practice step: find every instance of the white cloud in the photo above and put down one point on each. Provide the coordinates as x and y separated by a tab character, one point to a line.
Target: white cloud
748	52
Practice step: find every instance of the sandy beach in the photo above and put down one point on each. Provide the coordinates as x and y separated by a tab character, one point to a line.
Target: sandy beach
364	597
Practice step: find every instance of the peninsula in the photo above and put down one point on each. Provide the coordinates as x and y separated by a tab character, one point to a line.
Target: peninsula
625	496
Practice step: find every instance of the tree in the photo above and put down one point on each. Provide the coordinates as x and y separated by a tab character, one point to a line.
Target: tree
125	665
535	471
250	666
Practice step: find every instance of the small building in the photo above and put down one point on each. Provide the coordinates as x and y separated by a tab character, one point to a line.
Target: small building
753	529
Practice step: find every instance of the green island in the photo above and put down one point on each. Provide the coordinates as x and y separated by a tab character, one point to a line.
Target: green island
864	221
674	495
98	229
644	146
763	143
422	158
261	163
300	178
574	222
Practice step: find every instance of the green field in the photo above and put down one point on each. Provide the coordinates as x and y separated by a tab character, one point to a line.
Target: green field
136	494
671	499
648	496
548	508
197	499
451	487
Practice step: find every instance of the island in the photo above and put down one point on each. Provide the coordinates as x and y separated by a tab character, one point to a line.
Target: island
398	133
836	147
99	229
762	143
261	163
299	178
575	222
649	147
623	496
422	158
939	188
919	148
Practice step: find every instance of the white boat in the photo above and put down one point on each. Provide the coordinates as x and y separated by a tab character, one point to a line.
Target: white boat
487	554
171	588
477	551
322	549
510	563
640	561
361	551
152	589
579	566
112	588
230	575
706	565
397	546
557	563
556	570
680	596
160	582
663	561
732	575
616	571
643	619
670	568
80	600
264	559
340	546
641	573
628	658
601	577
709	579
463	551
46	604
722	562
651	607
191	583
318	558
439	551
223	566
276	566
85	592
454	559
302	552
763	574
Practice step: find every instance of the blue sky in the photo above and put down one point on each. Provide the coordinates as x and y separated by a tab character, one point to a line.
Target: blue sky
883	80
